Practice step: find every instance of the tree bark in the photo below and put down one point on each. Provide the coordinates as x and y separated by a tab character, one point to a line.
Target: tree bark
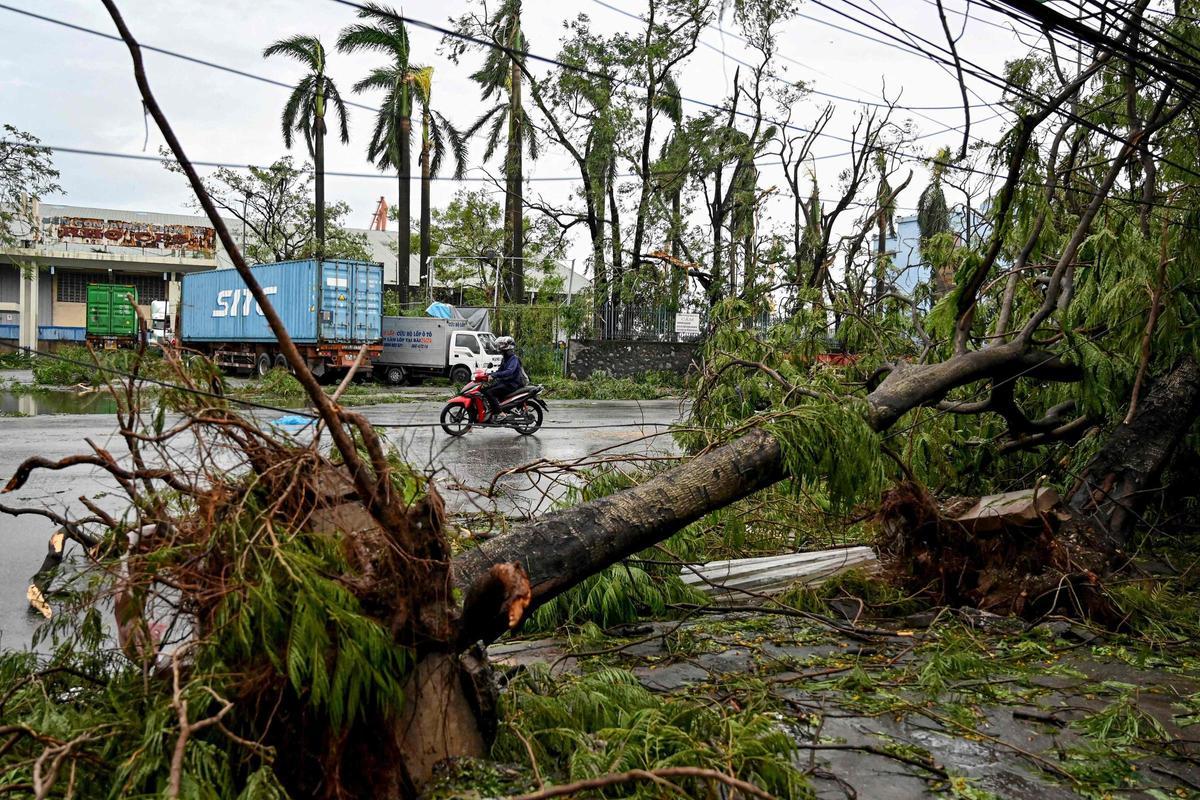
514	227
1121	476
319	165
404	246
426	180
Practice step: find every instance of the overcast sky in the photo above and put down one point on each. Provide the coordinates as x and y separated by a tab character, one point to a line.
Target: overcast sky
76	90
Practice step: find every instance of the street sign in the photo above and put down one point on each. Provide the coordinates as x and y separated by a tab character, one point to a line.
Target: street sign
687	324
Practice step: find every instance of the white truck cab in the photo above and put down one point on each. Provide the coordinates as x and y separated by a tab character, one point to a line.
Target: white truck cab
473	350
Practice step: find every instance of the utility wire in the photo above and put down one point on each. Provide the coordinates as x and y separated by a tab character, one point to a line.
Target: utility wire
742	40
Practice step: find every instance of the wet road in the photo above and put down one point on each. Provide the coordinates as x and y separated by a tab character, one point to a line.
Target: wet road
573	430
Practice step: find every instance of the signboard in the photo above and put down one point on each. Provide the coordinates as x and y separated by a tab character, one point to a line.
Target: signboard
687	324
123	233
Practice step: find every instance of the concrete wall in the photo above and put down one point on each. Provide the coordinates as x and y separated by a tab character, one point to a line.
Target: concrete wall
623	359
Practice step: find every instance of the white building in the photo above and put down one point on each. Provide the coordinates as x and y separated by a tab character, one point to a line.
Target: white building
382	246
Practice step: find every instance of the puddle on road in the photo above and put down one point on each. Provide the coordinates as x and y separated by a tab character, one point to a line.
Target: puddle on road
41	402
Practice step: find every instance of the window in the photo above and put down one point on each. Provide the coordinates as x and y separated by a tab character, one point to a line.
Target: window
466	340
72	286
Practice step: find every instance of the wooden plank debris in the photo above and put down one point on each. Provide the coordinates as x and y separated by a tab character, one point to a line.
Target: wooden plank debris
745	580
996	512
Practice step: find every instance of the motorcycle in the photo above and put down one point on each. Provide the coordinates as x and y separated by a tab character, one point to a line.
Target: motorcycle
522	411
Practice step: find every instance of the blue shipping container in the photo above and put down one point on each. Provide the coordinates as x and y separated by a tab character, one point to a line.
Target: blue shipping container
333	301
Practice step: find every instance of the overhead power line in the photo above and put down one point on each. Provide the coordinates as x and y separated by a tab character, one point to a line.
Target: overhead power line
164	51
741	39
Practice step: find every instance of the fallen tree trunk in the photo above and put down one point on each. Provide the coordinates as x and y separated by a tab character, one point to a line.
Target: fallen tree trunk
561	549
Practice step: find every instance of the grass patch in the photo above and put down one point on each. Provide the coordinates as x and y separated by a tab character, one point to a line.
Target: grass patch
76	364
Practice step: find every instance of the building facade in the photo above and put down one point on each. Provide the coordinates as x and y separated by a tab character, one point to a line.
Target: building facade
44	277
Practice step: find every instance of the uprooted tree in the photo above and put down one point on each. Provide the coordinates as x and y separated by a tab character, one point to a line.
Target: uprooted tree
292	621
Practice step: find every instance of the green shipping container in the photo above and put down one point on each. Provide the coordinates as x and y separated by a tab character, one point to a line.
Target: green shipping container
109	312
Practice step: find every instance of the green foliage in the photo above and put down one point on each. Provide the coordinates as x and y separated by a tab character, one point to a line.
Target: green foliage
1122	724
878	595
16	359
607	722
472	225
26	173
279	382
1161	611
278	629
620	594
602	386
274	205
76	364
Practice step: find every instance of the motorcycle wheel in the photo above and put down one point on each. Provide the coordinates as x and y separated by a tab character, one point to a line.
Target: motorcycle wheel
456	420
534	413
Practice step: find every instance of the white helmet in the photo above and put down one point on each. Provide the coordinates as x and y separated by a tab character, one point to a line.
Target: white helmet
506	344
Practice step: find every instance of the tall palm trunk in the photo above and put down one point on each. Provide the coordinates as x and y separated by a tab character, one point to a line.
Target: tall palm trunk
514	228
319	165
426	276
402	203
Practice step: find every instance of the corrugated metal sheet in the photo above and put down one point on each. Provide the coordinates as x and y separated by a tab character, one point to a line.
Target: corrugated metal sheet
61	333
341	304
743	580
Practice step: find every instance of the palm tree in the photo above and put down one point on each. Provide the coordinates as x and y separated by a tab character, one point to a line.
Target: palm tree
501	73
437	133
304	112
391	140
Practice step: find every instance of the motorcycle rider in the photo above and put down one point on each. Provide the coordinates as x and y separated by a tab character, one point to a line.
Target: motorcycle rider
507	378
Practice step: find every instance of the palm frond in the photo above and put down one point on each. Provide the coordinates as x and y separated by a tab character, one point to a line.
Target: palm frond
437	142
530	136
379	150
339	110
422	80
493	136
290	111
358	38
385	78
668	101
457	141
483	120
305	49
388	18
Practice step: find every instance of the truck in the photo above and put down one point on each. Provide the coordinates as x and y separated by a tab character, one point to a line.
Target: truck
430	347
112	320
330	308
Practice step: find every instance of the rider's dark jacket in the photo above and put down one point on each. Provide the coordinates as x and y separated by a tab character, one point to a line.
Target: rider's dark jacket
509	374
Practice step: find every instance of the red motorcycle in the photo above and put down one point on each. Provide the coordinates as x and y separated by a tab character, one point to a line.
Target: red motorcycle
522	411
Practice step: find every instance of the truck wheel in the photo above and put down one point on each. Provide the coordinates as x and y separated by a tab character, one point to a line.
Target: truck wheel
395	375
281	362
263	365
460	375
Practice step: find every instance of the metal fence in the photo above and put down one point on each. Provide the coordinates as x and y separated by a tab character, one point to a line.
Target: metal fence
655	324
